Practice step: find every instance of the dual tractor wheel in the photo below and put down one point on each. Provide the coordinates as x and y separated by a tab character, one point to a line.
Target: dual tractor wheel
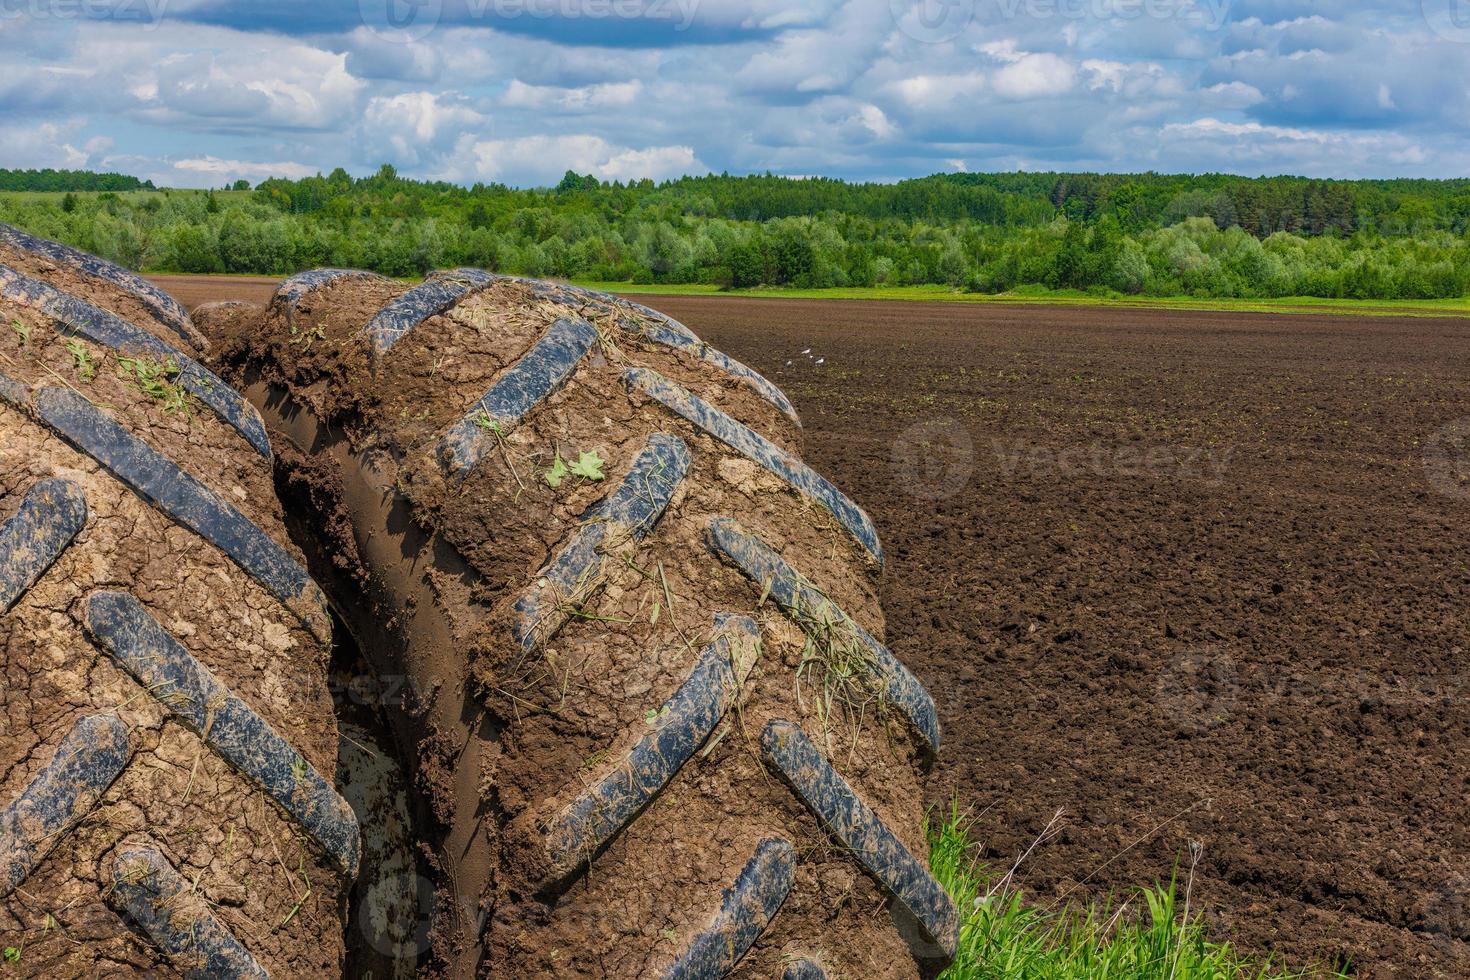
628	711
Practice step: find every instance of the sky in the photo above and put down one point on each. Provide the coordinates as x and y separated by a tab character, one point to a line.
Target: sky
196	93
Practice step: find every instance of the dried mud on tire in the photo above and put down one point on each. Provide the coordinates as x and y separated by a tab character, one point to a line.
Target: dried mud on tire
646	745
168	742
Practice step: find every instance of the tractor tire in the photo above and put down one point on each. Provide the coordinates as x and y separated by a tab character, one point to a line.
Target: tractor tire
167	741
629	640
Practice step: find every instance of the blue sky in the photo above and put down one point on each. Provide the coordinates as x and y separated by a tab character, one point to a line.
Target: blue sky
199	92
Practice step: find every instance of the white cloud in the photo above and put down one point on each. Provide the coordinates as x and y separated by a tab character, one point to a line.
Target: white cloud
1352	70
1025	75
415	127
292	87
1288	146
372	56
225	171
588	98
541	160
47	144
875	120
931	91
1100	74
820	61
1005	50
1033	76
659	162
1215	127
200	78
1234	95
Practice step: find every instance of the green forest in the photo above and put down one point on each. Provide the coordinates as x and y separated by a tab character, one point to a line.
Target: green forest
1138	234
69	180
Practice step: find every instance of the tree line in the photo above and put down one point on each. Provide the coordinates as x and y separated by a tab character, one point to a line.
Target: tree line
69	180
1150	234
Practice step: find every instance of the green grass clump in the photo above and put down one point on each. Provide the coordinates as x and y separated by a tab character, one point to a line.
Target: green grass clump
1148	937
156	378
82	360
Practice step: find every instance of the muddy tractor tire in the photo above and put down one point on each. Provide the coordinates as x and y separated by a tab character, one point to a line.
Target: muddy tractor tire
167	741
630	643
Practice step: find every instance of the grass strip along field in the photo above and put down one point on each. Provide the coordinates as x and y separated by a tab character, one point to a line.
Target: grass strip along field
1040	296
260	287
1150	935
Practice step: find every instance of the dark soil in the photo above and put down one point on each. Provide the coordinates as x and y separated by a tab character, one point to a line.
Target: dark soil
1183	576
194	291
